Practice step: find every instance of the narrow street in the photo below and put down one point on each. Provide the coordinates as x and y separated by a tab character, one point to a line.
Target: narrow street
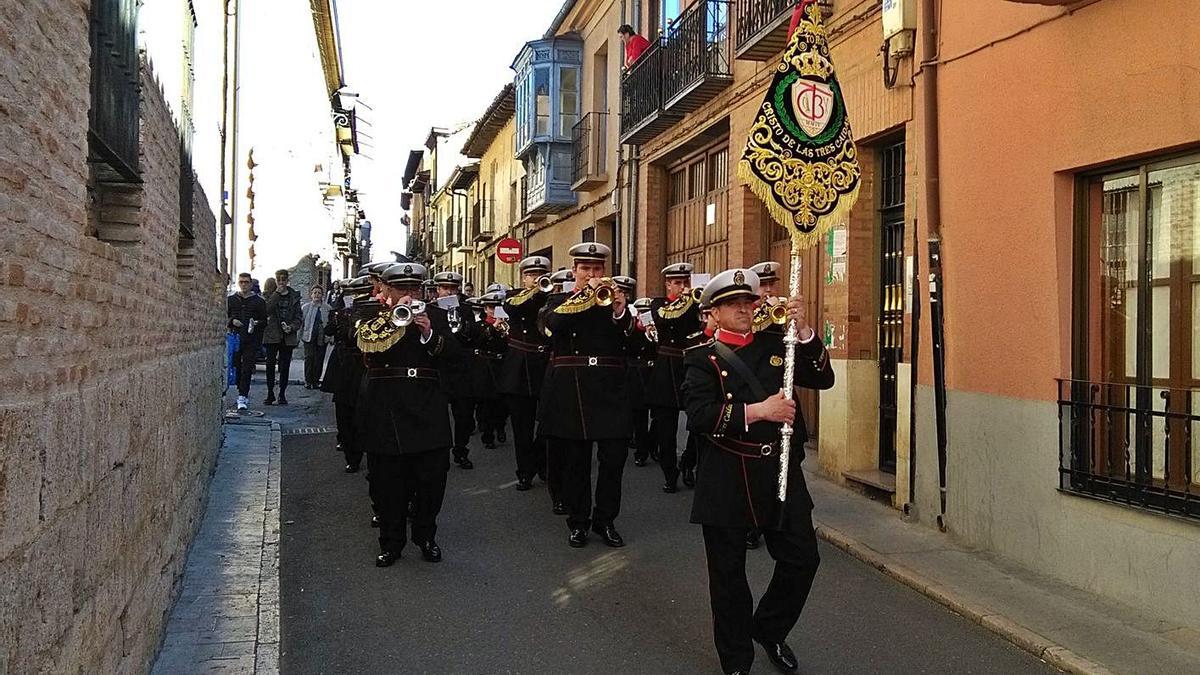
511	597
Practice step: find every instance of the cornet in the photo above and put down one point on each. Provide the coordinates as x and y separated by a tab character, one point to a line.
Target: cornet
605	292
404	315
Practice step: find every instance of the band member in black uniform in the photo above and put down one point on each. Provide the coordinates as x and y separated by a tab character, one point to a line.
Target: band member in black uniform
345	371
456	377
736	406
520	374
555	452
676	316
490	345
641	364
404	413
769	315
583	401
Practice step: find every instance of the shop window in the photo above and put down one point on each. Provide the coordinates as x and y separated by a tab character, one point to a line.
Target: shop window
1132	412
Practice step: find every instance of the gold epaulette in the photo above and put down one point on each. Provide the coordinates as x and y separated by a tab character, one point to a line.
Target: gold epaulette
761	319
580	302
523	296
677	307
377	334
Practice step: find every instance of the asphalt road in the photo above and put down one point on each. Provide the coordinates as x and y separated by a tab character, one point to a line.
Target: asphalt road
512	597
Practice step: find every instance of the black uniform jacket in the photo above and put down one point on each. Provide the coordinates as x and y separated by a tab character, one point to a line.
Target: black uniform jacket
486	354
640	353
459	376
401	407
584	395
667	376
523	368
335	332
738	472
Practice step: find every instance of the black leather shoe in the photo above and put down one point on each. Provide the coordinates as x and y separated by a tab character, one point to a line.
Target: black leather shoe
739	672
524	484
282	399
466	463
386	559
577	538
374	521
338	448
752	540
689	477
670	487
270	400
609	534
639	461
781	655
351	468
559	509
431	552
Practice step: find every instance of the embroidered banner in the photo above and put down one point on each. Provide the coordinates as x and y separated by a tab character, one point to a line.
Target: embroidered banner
800	158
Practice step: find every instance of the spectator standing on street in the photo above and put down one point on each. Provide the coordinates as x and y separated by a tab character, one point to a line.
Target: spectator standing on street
316	316
282	334
635	45
247	314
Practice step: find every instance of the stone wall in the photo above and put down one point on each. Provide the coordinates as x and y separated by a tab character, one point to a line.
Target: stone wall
110	369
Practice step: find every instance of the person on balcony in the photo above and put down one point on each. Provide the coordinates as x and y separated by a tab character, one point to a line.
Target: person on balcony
635	45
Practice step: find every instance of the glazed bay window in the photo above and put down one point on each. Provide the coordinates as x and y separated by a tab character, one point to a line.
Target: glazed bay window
547	86
1130	428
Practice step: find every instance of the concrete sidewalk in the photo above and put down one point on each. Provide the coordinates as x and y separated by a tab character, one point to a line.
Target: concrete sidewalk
1068	628
226	619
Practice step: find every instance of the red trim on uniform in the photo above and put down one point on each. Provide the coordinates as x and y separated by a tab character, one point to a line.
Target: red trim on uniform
709	330
734	339
672	297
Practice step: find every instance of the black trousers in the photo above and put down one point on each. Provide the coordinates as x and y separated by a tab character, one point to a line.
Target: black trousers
346	434
666	426
555	462
529	449
735	621
491	413
463	410
244	361
282	354
687	460
314	362
395	481
643	433
577	480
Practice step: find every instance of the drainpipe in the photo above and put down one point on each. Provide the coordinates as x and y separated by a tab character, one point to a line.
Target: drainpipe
929	104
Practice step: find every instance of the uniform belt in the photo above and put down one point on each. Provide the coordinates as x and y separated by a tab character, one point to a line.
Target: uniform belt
670	351
488	355
588	361
530	347
402	373
744	449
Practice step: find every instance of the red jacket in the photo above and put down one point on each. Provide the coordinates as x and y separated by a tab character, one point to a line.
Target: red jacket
634	48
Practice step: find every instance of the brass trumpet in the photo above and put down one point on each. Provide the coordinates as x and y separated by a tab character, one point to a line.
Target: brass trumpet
502	327
696	293
544	284
404	315
605	291
778	314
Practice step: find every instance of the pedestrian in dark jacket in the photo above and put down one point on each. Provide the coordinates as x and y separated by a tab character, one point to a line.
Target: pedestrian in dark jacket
282	334
247	314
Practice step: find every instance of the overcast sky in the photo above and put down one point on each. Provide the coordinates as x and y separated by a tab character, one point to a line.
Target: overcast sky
425	63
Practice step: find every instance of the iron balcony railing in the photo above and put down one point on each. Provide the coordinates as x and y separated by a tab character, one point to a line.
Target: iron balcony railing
589	154
698	51
641	89
754	16
115	86
1130	443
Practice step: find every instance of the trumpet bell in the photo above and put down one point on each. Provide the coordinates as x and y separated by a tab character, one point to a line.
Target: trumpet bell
604	296
404	315
697	293
778	314
544	284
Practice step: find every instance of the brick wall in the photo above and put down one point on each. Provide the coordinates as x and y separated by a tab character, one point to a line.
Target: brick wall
110	370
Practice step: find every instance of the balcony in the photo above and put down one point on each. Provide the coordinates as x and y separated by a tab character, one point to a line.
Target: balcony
480	231
589	156
698	64
642	113
762	27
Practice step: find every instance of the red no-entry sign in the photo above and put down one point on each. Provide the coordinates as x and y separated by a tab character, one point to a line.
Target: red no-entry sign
508	251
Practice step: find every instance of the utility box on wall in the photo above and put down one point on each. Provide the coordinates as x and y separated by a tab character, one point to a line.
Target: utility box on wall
899	26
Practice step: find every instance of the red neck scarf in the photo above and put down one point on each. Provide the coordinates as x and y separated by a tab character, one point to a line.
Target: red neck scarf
734	339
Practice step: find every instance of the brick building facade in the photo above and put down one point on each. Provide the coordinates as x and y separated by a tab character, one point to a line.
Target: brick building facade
111	352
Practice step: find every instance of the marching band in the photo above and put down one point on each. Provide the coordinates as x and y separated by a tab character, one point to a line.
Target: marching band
585	370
